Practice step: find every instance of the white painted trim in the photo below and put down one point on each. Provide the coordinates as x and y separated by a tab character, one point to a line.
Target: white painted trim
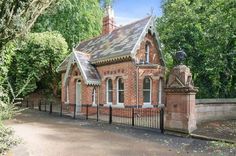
107	105
78	103
94	97
151	22
80	67
115	106
117	91
147	51
120	105
107	98
160	91
134	50
68	69
148	103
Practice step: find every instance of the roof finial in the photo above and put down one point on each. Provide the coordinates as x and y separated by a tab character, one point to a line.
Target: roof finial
152	10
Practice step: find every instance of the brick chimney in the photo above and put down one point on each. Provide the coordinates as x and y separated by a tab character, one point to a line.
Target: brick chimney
108	20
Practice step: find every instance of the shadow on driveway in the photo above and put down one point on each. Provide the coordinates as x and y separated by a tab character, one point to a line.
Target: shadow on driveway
46	135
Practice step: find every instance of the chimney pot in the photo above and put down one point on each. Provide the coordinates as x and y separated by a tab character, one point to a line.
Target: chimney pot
108	21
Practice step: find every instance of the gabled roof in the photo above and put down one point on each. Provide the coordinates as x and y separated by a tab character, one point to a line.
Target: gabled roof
88	71
119	43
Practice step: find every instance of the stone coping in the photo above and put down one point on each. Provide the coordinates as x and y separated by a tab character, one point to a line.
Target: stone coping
216	101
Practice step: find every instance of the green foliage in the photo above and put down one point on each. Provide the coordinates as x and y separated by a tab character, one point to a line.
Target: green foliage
7	139
76	20
36	59
206	32
8	111
5	59
17	17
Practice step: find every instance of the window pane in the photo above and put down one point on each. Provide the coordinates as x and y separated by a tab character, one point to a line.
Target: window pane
146	96
109	96
147	53
121	84
121	97
146	83
93	95
109	84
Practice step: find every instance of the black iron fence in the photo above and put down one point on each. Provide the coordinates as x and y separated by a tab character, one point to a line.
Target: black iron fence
137	117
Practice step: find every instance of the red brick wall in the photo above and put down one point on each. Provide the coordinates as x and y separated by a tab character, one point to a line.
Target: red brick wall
154	74
108	25
126	70
154	57
86	94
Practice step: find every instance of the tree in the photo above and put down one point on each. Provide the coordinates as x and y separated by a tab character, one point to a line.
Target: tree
206	32
37	58
17	17
76	20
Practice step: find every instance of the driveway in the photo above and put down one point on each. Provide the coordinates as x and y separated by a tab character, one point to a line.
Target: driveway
47	135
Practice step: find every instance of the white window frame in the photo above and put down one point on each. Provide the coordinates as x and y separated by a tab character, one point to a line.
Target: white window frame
148	104
107	92
147	53
160	92
117	92
67	94
94	97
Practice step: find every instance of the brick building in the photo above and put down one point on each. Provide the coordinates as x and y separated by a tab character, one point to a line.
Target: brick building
122	67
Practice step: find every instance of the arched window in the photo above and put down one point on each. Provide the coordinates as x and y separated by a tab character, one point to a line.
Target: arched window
120	91
94	96
147	87
147	52
109	91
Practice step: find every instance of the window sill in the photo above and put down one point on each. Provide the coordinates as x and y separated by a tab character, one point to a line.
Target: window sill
120	105
147	105
107	105
94	105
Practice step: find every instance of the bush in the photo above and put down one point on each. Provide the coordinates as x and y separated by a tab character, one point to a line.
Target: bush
8	112
7	139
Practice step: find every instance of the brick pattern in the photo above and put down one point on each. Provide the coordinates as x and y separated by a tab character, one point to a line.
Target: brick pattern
108	25
132	75
154	57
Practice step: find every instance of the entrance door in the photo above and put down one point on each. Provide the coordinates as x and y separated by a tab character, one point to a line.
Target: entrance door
78	96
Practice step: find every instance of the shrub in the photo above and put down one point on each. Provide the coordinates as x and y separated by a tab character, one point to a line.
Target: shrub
7	139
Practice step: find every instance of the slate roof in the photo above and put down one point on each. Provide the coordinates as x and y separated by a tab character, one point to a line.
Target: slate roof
119	42
89	71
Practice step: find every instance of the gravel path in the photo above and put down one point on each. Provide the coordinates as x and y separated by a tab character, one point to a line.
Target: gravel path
224	129
45	135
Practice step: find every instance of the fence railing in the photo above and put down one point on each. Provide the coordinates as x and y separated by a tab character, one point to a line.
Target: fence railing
138	117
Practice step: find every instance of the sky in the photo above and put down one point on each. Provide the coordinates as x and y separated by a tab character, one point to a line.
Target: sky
127	11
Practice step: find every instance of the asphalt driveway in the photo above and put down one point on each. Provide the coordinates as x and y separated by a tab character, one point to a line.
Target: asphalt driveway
46	135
